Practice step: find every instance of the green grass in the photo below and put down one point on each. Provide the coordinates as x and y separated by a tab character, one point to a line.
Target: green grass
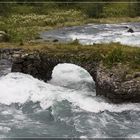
26	27
109	54
118	10
24	22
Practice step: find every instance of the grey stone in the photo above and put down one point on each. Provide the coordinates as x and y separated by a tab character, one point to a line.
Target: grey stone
130	30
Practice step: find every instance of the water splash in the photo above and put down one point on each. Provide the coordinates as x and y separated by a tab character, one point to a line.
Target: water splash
21	88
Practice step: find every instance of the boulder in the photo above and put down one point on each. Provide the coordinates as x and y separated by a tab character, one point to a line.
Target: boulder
130	30
55	40
116	86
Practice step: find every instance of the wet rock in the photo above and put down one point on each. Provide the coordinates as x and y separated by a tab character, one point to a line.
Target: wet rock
10	53
129	76
38	37
115	83
55	40
115	87
4	37
130	30
136	74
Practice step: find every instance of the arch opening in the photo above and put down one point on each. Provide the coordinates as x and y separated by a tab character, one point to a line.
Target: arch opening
72	76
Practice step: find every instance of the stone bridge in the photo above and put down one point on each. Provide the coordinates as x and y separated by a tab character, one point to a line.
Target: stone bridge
112	83
41	65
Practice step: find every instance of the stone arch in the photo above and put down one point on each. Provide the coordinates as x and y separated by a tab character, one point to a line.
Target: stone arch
41	66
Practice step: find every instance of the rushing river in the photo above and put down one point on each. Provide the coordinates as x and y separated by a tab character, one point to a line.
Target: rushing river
97	33
67	105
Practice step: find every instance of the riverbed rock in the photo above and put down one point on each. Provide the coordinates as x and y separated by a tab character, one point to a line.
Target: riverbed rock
130	30
55	40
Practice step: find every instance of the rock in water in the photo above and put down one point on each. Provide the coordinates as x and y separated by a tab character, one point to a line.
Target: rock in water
130	30
55	40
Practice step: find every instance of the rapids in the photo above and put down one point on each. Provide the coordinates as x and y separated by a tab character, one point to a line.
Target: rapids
96	34
66	106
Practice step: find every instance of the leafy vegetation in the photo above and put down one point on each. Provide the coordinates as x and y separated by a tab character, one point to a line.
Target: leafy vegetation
22	21
109	54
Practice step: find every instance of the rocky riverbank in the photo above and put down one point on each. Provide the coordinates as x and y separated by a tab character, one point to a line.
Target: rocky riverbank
10	53
115	68
115	83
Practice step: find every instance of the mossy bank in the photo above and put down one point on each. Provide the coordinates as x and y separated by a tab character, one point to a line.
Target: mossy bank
114	67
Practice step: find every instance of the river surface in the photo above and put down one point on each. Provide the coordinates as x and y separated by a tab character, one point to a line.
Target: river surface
66	106
96	34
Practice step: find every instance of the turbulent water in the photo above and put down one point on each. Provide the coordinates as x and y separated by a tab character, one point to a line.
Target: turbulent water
67	105
64	107
97	33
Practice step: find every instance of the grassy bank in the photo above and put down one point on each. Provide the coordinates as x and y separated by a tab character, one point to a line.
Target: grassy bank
110	54
24	22
22	28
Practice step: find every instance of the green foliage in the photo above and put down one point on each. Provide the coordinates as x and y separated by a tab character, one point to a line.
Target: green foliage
23	20
24	27
137	58
110	54
5	9
116	10
115	56
95	10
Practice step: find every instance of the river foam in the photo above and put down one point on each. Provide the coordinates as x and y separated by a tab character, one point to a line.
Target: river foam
97	33
21	88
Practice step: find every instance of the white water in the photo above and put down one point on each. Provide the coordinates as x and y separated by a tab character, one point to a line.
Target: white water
97	33
122	37
21	88
66	106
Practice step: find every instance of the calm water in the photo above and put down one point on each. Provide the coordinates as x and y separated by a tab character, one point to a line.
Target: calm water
66	106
